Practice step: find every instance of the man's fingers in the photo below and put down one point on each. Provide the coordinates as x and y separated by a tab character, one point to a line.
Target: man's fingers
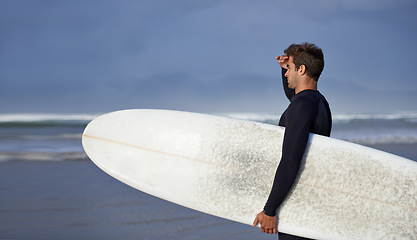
255	222
271	231
282	60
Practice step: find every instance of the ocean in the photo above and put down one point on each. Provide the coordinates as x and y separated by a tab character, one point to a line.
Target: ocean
50	190
57	137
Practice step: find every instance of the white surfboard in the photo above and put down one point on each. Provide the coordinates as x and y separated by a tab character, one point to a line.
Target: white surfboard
225	167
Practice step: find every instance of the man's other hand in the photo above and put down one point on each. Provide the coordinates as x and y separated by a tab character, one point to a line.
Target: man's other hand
268	224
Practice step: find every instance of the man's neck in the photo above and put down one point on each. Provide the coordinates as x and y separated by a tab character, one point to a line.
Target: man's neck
307	84
306	87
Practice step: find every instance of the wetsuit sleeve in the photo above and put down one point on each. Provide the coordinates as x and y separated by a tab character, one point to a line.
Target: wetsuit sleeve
288	91
299	119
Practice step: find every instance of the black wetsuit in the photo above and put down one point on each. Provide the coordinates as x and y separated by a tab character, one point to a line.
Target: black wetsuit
308	112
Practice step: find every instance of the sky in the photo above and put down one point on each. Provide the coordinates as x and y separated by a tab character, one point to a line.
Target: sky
209	56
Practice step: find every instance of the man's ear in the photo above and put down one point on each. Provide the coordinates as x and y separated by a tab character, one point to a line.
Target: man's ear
302	69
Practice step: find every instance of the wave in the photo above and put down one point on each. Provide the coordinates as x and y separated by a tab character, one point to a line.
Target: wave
373	140
28	119
406	116
337	118
42	156
83	118
38	137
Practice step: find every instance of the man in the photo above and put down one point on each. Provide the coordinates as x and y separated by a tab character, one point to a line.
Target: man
307	113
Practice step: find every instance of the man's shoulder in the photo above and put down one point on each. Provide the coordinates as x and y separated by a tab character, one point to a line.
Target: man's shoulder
307	97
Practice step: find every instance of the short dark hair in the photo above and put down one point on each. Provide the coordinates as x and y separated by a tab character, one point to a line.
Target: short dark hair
309	55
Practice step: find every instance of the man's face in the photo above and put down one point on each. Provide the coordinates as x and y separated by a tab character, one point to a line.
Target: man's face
291	74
